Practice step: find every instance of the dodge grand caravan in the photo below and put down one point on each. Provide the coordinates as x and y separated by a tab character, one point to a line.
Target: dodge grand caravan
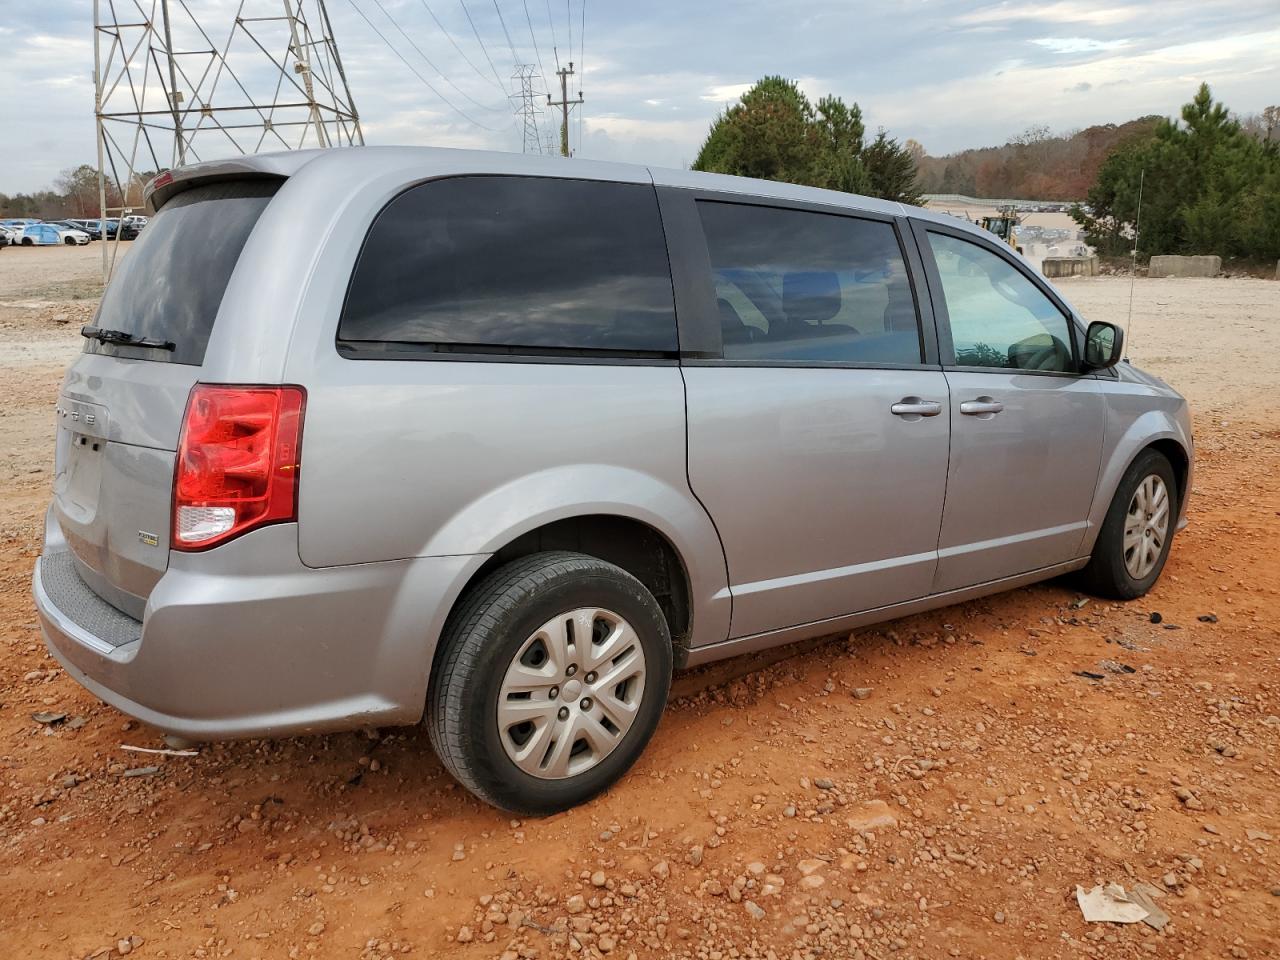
508	439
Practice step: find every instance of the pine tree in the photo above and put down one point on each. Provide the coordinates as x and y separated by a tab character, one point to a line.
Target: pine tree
775	133
891	170
1209	188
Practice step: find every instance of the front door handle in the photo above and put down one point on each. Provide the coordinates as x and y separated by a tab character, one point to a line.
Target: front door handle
914	407
980	407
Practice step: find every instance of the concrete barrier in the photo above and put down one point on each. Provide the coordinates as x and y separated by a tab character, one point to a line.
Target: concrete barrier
1170	266
1055	267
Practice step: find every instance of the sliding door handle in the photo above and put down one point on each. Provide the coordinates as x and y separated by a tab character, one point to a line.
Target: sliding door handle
914	407
982	406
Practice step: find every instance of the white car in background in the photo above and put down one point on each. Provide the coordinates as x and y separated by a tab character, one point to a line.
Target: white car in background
12	228
70	236
49	234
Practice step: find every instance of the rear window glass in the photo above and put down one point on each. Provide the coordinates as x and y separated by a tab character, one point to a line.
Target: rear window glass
514	264
170	282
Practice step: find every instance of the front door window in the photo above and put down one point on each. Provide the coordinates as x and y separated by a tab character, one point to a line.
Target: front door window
998	317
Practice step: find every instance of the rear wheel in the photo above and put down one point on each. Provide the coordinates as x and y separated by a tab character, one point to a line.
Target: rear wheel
1134	541
551	679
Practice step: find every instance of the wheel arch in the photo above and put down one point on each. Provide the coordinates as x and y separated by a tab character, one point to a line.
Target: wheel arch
1180	460
597	509
639	548
1153	431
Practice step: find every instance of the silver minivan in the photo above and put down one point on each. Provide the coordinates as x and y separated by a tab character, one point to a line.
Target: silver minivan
378	436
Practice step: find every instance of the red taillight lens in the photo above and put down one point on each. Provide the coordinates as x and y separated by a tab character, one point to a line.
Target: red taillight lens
238	461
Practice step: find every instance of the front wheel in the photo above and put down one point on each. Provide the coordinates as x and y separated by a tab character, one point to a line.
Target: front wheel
551	678
1134	541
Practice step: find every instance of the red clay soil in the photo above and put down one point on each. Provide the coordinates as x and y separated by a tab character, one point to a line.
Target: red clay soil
936	787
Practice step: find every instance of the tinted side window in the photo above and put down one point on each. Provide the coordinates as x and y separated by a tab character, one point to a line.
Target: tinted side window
800	286
515	262
998	317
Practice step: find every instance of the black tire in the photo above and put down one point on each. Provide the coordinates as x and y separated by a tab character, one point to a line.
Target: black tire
481	639
28	242
1106	575
69	241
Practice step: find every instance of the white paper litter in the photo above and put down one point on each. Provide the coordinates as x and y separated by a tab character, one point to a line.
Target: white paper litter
1109	904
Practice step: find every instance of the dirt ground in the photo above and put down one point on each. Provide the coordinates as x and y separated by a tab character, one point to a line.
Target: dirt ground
936	787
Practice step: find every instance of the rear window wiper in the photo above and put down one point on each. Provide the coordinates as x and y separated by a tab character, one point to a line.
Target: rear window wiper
91	332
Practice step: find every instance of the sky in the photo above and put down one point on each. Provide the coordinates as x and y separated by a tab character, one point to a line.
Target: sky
949	73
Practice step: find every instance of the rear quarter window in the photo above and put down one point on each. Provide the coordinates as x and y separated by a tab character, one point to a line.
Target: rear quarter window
172	279
490	264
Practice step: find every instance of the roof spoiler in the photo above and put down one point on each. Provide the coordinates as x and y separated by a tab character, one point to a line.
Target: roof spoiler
271	166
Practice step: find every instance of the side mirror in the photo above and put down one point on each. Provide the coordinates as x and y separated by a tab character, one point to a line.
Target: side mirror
1103	345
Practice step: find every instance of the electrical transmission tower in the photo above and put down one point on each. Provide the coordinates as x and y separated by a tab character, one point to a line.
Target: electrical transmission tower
564	103
527	106
172	90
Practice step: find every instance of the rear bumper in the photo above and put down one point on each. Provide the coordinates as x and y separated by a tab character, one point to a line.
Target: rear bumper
245	641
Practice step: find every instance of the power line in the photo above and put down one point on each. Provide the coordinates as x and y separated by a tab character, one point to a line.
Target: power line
439	72
552	23
536	53
427	83
483	48
564	132
582	64
461	52
498	10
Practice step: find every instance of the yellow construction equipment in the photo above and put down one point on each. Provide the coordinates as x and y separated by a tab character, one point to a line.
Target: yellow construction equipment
1003	225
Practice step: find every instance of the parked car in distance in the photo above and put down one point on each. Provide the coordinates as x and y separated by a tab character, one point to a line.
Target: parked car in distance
419	469
137	220
77	225
15	225
124	228
92	227
48	234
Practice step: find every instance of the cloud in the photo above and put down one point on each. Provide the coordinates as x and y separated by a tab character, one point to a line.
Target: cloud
1078	44
964	73
1065	11
726	92
1151	82
634	128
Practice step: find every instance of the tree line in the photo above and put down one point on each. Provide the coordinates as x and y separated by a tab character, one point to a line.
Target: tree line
1209	184
1211	180
74	194
1034	165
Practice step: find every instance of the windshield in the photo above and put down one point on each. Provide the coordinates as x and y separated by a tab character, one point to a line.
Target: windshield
170	284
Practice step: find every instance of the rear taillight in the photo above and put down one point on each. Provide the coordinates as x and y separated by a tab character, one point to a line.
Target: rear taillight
238	462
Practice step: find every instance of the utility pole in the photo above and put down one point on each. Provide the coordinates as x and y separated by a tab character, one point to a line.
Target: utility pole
564	103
